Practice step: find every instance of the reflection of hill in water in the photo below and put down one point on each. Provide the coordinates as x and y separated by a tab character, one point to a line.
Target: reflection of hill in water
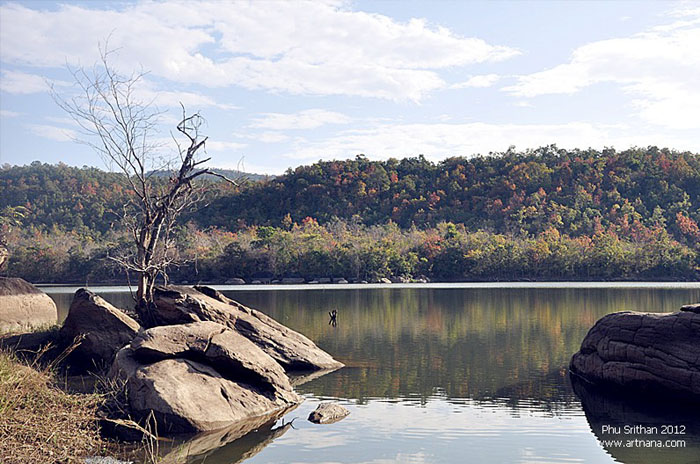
461	343
609	413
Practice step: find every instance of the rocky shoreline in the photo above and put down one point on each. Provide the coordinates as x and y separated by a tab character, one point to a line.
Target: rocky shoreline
207	363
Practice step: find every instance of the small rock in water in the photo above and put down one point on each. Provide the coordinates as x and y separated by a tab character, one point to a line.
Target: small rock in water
328	413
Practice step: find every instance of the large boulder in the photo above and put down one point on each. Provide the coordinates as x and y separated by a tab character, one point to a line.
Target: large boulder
23	306
177	305
643	353
200	376
104	329
233	355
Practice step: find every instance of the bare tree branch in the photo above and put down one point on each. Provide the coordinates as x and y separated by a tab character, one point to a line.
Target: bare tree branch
120	128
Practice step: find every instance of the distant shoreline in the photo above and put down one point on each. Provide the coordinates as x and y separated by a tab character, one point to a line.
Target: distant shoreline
69	288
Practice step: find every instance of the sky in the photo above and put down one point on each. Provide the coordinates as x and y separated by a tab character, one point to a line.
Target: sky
286	83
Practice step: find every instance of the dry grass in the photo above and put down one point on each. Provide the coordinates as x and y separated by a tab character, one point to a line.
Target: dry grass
39	423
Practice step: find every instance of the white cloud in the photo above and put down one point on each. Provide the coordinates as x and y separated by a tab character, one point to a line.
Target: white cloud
480	81
270	137
148	92
438	141
57	134
17	82
276	46
9	114
216	145
659	68
306	119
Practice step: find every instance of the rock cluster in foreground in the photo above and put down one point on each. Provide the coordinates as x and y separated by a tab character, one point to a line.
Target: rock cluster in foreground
209	362
643	353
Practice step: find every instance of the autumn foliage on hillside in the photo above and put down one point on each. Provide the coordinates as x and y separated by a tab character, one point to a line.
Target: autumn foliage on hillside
542	214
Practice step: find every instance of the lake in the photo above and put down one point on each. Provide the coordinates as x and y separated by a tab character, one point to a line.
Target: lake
453	373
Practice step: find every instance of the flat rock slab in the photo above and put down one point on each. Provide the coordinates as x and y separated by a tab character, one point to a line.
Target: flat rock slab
295	352
643	353
328	413
23	306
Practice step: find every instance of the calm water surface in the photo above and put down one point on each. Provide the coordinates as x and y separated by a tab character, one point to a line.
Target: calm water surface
451	374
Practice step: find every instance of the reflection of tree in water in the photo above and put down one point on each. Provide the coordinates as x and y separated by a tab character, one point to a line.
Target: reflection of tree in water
619	409
458	343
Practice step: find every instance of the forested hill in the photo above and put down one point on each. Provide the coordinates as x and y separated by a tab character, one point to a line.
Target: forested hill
548	214
575	192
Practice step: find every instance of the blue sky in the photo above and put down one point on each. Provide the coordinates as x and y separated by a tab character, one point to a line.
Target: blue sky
288	83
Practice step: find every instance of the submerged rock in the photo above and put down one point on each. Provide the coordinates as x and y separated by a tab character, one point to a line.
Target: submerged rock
105	329
328	413
643	353
23	306
200	376
178	305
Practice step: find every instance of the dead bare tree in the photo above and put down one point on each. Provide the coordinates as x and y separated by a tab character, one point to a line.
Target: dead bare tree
120	127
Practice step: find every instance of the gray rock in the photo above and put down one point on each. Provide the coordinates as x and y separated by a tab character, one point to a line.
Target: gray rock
293	280
643	353
186	396
324	280
229	352
200	376
24	307
256	282
328	413
105	329
178	305
340	281
235	281
384	280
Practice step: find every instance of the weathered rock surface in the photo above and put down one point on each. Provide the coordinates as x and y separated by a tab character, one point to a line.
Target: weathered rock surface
23	306
233	355
328	413
178	305
643	353
200	376
104	328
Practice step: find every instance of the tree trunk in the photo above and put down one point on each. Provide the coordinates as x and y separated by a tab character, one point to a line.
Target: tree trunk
4	255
